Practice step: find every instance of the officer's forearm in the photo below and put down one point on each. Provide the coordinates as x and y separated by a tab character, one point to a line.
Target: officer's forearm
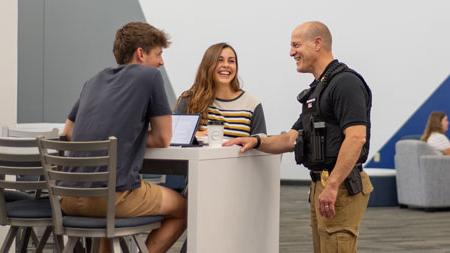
277	144
348	155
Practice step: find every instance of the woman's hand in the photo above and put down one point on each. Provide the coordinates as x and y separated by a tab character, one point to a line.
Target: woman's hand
201	133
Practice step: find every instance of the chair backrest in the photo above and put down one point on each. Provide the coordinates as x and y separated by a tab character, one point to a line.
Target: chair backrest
408	152
19	157
27	133
79	171
414	147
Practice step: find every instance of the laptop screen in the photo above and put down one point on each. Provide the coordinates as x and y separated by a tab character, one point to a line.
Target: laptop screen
184	127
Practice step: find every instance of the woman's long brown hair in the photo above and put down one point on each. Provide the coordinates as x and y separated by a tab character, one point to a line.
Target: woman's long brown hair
434	124
202	92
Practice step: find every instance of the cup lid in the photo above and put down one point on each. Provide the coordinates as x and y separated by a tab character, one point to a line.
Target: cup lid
216	122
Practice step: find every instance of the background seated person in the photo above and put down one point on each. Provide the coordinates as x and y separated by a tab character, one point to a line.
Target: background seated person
216	95
121	101
434	133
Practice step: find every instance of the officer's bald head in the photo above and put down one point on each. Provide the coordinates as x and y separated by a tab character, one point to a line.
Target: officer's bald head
315	29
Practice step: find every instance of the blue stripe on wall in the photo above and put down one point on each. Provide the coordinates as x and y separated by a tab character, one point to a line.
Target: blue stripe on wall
414	126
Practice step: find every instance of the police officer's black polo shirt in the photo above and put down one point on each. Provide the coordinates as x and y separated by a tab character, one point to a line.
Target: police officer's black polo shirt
346	102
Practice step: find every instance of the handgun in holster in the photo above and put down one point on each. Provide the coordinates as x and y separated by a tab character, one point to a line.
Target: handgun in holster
299	150
353	182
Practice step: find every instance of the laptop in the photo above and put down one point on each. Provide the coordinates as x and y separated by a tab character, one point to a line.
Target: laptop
184	127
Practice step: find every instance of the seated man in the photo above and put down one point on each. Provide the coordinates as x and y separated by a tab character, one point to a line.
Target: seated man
121	101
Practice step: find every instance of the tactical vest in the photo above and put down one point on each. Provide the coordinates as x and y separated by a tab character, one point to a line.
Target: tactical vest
323	136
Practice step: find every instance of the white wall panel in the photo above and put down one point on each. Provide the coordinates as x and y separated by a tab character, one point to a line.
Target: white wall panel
8	70
8	64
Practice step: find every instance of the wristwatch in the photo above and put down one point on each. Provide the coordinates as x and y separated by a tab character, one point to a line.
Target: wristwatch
258	141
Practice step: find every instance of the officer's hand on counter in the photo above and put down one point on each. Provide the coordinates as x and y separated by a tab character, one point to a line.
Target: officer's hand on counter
327	201
247	143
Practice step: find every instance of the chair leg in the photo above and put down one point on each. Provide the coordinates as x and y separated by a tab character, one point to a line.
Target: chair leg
25	240
44	239
80	246
95	245
70	245
140	242
184	247
114	245
12	232
34	238
19	238
58	242
124	245
87	244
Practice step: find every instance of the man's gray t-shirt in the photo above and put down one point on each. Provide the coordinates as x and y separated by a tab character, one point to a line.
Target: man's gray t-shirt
120	102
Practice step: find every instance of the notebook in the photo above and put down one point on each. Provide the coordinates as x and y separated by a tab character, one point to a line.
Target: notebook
184	127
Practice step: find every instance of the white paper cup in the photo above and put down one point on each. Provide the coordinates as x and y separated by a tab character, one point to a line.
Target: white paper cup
215	134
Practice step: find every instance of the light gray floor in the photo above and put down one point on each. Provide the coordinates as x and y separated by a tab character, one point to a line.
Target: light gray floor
384	229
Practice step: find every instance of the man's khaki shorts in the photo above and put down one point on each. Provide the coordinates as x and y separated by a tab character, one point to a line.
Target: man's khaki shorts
142	201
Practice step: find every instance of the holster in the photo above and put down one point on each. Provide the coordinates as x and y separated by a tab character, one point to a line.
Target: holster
299	150
353	182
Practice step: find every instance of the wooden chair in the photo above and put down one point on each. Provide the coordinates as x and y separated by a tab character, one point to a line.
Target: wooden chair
21	211
62	182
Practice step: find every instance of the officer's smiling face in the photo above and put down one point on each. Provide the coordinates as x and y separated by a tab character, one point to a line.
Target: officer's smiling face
302	50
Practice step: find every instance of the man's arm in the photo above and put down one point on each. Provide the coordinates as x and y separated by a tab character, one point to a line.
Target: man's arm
70	121
355	137
68	129
160	133
275	144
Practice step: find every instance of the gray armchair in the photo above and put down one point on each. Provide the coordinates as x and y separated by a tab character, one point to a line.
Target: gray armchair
423	175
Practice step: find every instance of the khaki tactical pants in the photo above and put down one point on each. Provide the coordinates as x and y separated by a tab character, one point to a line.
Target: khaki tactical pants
339	234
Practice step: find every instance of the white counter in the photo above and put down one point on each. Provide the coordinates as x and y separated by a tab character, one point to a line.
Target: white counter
234	199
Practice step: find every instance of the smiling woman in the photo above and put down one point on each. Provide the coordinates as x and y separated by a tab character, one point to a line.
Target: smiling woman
216	95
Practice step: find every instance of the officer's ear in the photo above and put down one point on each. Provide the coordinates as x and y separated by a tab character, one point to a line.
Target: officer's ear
318	43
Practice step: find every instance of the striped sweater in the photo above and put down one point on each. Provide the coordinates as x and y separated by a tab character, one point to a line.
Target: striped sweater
242	116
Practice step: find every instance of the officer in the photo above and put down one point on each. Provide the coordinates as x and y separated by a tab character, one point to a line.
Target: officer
331	138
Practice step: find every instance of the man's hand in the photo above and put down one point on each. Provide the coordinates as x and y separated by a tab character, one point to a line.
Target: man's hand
327	201
247	143
68	129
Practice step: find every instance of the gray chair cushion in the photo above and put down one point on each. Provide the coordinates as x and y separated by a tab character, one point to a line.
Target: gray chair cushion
90	222
16	195
35	208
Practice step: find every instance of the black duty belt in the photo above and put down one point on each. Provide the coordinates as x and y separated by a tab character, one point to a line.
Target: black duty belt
315	174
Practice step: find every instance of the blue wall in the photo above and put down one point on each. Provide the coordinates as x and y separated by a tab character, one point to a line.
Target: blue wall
438	101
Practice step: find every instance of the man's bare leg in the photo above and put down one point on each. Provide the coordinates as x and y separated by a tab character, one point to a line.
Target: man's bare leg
174	208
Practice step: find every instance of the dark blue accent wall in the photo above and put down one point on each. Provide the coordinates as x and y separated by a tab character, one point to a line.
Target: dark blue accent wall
414	126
